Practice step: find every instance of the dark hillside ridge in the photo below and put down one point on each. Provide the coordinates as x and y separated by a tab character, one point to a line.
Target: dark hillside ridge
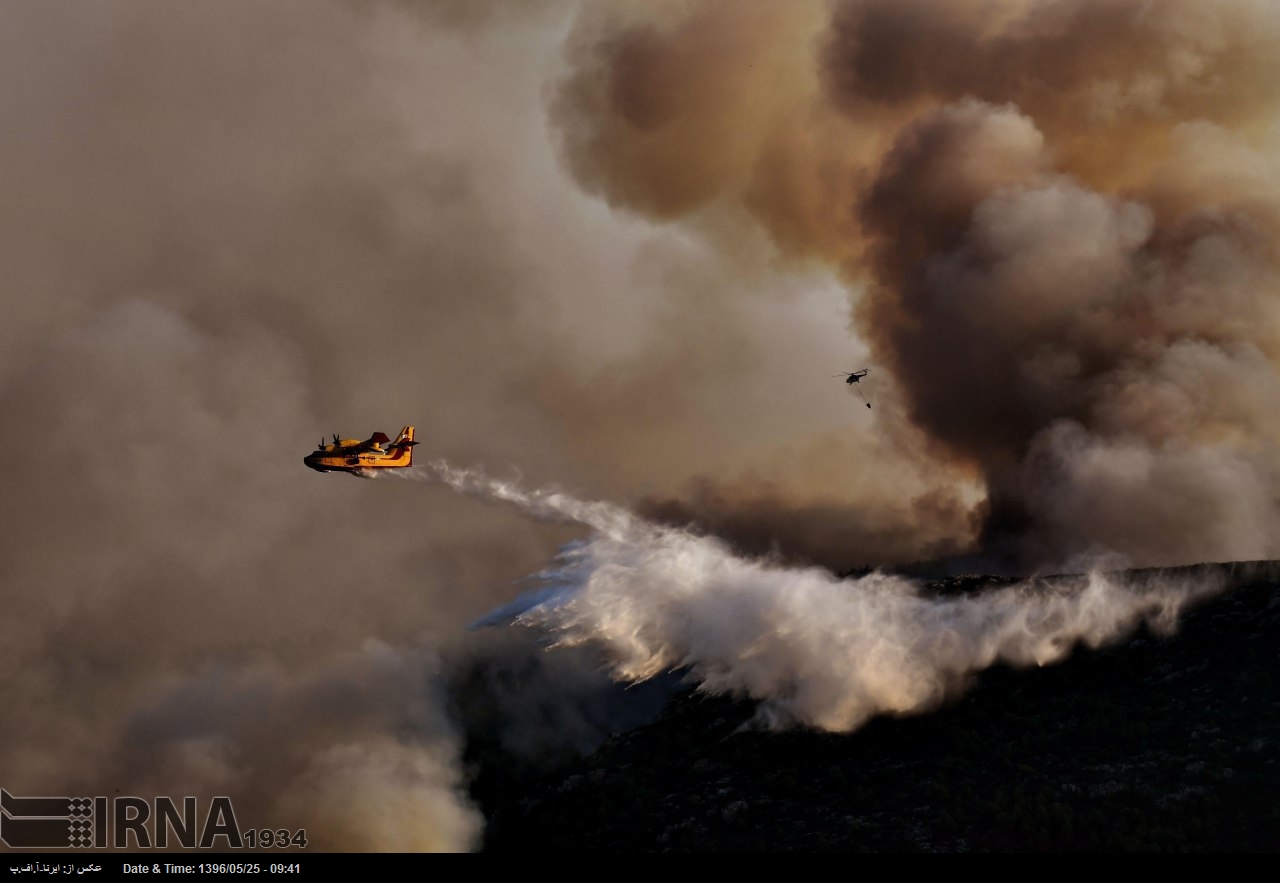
1156	744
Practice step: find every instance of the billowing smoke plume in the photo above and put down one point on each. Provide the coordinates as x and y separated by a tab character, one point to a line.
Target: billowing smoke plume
1059	218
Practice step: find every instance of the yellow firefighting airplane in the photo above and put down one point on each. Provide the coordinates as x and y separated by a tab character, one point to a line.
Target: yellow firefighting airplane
363	458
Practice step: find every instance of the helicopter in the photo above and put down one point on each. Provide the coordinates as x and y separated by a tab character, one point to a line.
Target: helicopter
852	377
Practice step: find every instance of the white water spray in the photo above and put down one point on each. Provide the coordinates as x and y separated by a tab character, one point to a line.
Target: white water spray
812	648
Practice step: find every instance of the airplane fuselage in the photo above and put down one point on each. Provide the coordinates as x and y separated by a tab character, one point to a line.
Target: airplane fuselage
360	457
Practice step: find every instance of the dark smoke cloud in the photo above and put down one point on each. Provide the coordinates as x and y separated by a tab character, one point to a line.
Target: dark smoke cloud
761	523
844	500
1057	220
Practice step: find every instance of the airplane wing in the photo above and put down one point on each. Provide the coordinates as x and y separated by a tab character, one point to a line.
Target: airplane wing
375	442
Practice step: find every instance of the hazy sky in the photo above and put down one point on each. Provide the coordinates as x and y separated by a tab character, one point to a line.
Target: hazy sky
615	247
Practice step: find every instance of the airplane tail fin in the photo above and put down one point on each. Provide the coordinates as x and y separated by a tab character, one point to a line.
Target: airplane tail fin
404	441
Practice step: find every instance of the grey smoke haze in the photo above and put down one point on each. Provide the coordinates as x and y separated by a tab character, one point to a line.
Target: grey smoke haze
231	228
612	246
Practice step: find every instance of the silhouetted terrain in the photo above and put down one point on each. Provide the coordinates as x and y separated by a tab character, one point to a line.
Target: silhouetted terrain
1155	744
